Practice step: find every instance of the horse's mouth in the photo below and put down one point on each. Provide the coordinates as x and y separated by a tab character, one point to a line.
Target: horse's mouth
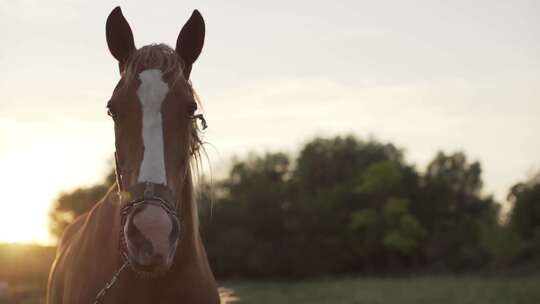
147	272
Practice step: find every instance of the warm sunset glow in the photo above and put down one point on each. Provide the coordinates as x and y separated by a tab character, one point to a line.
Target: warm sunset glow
29	186
33	174
402	75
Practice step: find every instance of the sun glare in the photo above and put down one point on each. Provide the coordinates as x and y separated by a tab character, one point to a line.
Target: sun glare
32	177
22	208
29	185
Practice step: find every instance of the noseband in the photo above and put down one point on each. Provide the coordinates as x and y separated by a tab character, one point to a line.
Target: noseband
140	194
150	194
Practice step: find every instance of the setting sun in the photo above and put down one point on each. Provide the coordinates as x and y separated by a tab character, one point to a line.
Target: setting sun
35	172
28	188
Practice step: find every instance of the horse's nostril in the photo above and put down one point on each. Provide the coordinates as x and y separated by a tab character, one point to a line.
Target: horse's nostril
137	239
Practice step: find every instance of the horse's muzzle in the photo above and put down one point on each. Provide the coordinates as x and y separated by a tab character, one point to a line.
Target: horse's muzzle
151	236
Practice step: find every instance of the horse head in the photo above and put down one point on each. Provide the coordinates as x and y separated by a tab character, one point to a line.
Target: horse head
156	136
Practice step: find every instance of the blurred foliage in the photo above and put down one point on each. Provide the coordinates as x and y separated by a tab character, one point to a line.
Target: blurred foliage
69	205
345	205
403	232
525	217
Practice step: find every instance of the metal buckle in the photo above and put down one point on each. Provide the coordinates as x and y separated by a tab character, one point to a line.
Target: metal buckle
149	190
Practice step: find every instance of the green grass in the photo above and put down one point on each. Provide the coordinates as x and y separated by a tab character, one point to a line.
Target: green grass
417	290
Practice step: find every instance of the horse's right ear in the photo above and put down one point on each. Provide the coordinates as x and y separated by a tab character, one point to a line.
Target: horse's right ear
119	37
190	41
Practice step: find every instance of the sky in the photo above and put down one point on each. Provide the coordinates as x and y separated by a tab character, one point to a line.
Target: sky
424	75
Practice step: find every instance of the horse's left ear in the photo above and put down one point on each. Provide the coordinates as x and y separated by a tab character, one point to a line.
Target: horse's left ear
190	41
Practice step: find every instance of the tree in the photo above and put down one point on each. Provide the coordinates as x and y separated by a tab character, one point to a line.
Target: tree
384	232
403	233
454	212
346	205
525	215
336	183
246	233
69	205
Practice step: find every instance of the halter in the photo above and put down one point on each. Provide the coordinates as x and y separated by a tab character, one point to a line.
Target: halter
139	194
145	193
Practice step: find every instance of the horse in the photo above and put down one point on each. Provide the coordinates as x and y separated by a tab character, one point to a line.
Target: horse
140	243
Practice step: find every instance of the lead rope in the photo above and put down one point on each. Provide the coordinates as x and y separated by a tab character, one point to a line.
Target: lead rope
101	294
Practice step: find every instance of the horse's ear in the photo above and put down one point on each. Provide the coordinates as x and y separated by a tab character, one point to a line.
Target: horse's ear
119	37
190	41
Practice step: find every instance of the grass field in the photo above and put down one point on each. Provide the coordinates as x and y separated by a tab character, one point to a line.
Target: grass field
23	276
419	290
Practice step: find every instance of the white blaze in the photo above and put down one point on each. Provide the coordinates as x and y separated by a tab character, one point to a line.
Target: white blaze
151	93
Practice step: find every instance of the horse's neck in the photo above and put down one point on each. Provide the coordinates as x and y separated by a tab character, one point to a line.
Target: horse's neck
92	255
89	257
102	229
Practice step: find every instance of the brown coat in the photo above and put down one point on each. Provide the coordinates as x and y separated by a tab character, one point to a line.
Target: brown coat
88	256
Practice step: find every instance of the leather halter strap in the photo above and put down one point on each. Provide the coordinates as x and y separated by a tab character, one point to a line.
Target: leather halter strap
149	192
143	191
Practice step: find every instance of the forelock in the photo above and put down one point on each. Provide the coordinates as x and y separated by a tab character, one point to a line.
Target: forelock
154	56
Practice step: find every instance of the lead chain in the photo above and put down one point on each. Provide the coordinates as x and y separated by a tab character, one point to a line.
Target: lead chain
101	294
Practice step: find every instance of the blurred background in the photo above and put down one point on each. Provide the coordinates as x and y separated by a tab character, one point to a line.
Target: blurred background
359	152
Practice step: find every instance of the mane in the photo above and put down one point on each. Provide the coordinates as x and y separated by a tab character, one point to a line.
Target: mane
164	58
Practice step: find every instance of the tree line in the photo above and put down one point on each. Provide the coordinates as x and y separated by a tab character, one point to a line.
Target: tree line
345	205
